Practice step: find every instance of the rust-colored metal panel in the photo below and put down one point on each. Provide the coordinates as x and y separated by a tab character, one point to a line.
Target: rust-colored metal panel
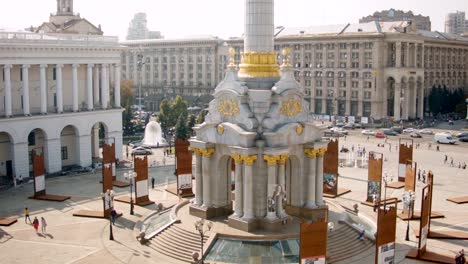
141	169
430	183
313	236
183	157
374	175
405	154
108	153
410	176
38	173
106	177
424	221
386	228
330	168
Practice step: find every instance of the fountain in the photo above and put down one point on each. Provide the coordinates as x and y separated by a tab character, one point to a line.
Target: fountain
153	135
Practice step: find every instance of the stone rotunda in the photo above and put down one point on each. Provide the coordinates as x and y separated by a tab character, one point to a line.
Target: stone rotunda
257	139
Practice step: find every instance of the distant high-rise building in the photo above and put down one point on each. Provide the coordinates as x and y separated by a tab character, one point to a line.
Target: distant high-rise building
138	29
421	22
456	23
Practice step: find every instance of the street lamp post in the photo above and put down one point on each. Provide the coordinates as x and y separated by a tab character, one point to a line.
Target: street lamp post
130	176
140	64
408	200
200	227
109	195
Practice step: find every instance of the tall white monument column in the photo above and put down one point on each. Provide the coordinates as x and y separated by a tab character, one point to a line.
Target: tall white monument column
239	192
7	74
117	86
43	87
198	178
96	85
25	71
59	88
272	183
259	26
206	162
282	183
104	86
319	177
75	87
89	87
248	187
396	102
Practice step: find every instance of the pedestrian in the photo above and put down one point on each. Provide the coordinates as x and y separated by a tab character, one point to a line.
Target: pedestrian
445	159
26	215
374	201
113	215
419	175
460	257
20	179
367	139
451	161
464	165
438	149
152	182
36	224
43	225
390	147
352	148
361	234
424	176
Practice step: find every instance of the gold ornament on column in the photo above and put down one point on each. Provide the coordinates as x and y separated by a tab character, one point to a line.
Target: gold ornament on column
311	153
258	65
321	152
249	160
207	152
291	107
220	129
232	60
299	129
283	158
237	158
228	107
271	160
286	52
197	151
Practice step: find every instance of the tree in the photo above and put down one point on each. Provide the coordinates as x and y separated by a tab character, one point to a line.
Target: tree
190	124
126	92
181	129
164	116
178	107
201	117
127	117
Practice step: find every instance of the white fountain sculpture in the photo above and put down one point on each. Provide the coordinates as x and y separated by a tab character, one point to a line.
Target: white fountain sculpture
153	135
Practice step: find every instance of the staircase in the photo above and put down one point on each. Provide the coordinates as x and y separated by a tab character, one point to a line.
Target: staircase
177	243
343	244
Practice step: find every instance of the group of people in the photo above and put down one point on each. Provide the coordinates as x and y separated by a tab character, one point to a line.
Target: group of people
452	163
35	222
460	257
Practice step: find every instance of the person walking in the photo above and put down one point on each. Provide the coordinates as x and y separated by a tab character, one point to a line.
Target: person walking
152	182
43	225
445	159
374	201
26	215
419	175
451	161
113	216
36	224
424	176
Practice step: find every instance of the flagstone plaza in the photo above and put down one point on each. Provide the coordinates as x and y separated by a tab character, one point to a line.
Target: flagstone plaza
72	239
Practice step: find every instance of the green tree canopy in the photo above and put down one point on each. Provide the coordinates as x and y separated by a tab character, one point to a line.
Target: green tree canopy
201	117
181	129
190	124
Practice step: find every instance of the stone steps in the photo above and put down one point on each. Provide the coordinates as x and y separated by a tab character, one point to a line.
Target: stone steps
343	243
177	243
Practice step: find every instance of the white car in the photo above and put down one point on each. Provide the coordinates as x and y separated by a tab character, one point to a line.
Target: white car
426	132
368	132
444	138
409	130
339	130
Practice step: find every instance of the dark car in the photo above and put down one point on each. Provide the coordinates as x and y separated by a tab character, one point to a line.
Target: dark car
390	132
462	134
463	139
397	129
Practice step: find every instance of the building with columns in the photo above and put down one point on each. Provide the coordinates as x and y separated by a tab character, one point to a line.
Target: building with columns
372	69
57	92
189	67
421	22
257	134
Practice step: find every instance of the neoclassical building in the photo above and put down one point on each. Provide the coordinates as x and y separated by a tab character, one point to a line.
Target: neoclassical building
57	92
372	69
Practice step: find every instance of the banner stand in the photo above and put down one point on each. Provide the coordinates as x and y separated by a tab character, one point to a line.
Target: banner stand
405	153
183	171
330	171
141	184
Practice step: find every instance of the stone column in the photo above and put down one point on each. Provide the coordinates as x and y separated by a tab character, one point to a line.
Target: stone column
348	93
311	178
84	155
53	155
206	161
324	102
20	161
259	26
43	87
75	87
239	197
104	87
398	54
421	101
282	183
96	85
117	86
319	177
360	100
406	102
198	178
272	182
26	108
415	55
89	86
248	187
396	102
95	141
385	54
407	57
59	86
8	106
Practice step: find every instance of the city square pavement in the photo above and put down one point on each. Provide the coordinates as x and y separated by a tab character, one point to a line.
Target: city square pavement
85	240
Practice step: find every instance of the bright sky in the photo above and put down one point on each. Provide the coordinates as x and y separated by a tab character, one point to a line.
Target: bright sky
223	18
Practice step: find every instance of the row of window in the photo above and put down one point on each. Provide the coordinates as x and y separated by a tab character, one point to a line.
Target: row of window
341	74
342	94
328	46
331	64
342	84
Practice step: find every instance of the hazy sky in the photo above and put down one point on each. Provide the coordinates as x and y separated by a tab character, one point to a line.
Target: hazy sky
223	18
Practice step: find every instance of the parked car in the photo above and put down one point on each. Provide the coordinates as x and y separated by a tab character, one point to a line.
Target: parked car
142	151
358	125
463	139
444	138
462	134
339	130
340	124
397	129
379	135
390	132
415	135
368	132
426	132
409	130
349	126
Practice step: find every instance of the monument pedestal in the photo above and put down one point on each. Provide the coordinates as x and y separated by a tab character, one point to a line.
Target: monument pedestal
210	212
247	225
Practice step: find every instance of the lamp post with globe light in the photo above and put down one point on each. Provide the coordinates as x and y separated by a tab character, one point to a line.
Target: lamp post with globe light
108	197
202	229
130	176
408	201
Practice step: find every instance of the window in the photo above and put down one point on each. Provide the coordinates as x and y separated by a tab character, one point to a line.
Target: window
354	45
308	83
342	84
343	45
343	55
367	85
355	65
330	74
330	93
330	64
54	74
355	55
318	92
318	74
368	65
342	74
331	46
354	84
330	84
368	55
330	55
354	94
32	139
354	74
368	45
343	65
318	56
64	153
319	46
319	65
367	75
342	93
318	83
367	95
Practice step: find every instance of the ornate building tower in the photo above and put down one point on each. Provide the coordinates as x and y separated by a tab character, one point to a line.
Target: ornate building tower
257	138
64	7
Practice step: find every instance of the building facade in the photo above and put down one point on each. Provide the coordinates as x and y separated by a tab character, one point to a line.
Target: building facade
188	67
138	29
374	70
421	22
456	23
57	92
